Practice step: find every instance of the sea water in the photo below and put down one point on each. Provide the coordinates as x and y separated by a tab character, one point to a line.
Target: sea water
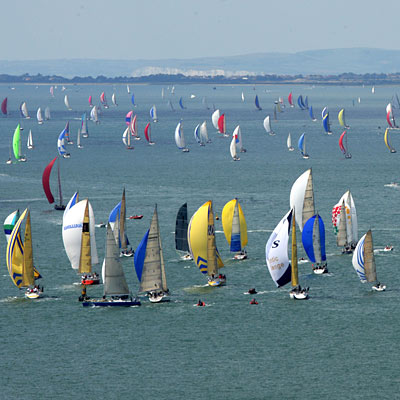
342	343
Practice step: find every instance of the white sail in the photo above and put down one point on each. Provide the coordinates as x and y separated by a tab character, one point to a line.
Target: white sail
24	110
179	138
126	137
72	233
276	252
47	113
39	116
114	99
94	116
66	102
232	148
302	198
204	133
214	118
267	125
238	133
29	143
78	139
358	259
153	113
289	142
112	271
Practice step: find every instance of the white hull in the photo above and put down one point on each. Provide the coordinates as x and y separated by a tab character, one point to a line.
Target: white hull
298	296
380	288
320	270
240	257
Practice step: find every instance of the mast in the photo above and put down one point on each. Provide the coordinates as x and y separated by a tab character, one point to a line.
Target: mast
317	241
85	260
122	235
369	259
212	266
308	205
59	181
163	275
295	271
342	229
27	265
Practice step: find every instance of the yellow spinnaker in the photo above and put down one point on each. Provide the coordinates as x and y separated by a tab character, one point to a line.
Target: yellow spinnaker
341	117
197	237
15	253
227	222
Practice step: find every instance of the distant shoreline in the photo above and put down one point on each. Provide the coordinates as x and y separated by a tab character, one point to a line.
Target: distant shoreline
346	79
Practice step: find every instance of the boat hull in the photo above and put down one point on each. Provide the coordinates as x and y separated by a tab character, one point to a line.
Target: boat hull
320	271
111	303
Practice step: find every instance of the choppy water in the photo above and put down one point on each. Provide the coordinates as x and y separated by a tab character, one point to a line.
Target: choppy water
342	343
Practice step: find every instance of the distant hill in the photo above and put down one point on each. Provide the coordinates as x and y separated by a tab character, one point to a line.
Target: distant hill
322	62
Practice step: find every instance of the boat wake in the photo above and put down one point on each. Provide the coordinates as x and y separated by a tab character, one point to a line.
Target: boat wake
392	185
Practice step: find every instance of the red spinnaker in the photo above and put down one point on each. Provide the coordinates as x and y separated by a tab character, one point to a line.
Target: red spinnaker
147	132
46	181
4	106
221	124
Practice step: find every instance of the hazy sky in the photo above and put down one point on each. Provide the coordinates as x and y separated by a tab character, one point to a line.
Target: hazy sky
152	29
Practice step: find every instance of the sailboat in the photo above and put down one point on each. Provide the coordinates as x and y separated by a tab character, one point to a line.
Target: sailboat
46	184
117	220
116	291
222	125
310	110
364	262
90	101
204	133
345	224
114	99
29	143
78	233
51	91
84	128
69	141
133	129
103	100
257	103
62	151
19	257
47	114
238	133
313	237
343	145
289	143
232	147
4	106
181	236
181	103
147	134
235	228
290	99
17	145
387	142
179	138
149	264
201	238
267	126
342	120
66	102
242	97
325	121
24	110
39	116
215	118
302	146
197	136
94	115
126	139
302	198
390	117
133	100
153	113
128	89
300	103
78	139
282	269
373	90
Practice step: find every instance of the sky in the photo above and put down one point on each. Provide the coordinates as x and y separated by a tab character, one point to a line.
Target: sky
164	29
